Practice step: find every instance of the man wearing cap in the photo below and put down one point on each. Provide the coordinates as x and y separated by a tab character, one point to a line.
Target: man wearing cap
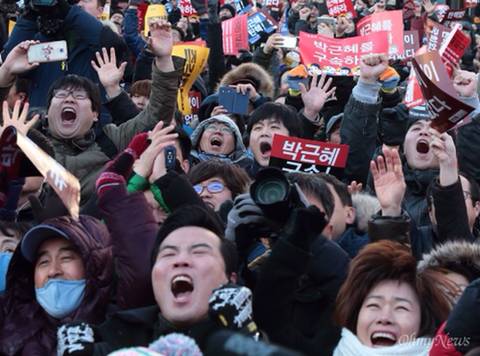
61	273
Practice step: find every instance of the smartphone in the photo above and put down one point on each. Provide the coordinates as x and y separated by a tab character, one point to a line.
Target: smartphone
289	42
233	102
170	156
48	52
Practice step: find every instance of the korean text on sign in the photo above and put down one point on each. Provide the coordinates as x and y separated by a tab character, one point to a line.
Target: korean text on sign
340	56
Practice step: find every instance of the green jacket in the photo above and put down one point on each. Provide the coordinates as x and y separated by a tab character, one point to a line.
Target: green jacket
84	157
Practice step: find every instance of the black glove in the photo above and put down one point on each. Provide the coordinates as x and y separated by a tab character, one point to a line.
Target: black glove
246	223
304	225
463	326
75	339
231	307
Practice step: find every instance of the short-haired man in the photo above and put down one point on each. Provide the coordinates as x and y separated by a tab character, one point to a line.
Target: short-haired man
191	260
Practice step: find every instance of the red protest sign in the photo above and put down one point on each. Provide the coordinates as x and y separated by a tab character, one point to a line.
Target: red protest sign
341	7
389	21
437	37
340	56
452	16
186	8
411	45
454	47
413	94
235	34
294	154
445	108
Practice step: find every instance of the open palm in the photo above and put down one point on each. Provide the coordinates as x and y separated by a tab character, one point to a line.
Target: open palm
106	67
388	179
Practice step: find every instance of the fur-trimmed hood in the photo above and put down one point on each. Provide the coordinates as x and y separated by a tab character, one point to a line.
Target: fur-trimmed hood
239	153
253	72
465	255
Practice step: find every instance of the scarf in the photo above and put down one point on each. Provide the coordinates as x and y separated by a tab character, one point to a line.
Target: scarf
349	345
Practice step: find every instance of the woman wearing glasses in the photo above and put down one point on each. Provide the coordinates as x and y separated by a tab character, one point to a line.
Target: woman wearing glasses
216	182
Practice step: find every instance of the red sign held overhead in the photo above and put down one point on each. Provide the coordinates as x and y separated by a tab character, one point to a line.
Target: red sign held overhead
341	7
453	48
340	56
294	154
389	21
186	8
235	34
445	108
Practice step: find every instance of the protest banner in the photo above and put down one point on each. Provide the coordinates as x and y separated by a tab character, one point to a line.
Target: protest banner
413	93
293	154
235	36
389	21
195	59
453	48
186	8
443	103
257	24
437	37
62	181
154	12
242	6
411	44
452	15
340	56
341	7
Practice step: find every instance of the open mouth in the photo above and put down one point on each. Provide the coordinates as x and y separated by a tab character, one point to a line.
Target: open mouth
216	141
182	286
68	115
423	146
265	147
382	339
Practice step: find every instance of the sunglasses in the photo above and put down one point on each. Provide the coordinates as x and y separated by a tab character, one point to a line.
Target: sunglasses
213	187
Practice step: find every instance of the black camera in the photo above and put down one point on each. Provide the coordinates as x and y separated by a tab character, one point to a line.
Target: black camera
276	195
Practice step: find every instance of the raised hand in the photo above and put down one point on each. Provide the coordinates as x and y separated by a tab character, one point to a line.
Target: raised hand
17	119
16	63
160	40
315	97
160	137
465	83
444	149
273	42
108	72
371	66
354	187
389	181
305	13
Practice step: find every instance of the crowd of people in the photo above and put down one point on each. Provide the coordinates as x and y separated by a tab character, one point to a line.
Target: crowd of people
190	239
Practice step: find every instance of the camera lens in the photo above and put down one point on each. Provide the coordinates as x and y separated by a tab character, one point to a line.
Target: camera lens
271	191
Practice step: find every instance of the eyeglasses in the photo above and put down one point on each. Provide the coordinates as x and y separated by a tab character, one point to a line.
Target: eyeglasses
213	187
221	128
62	94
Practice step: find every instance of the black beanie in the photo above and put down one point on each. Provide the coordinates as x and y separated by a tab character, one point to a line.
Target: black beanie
229	8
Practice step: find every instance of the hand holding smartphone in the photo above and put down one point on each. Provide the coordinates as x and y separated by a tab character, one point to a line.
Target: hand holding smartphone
233	102
48	52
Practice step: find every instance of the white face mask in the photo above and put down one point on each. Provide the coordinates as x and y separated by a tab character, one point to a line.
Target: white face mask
60	297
